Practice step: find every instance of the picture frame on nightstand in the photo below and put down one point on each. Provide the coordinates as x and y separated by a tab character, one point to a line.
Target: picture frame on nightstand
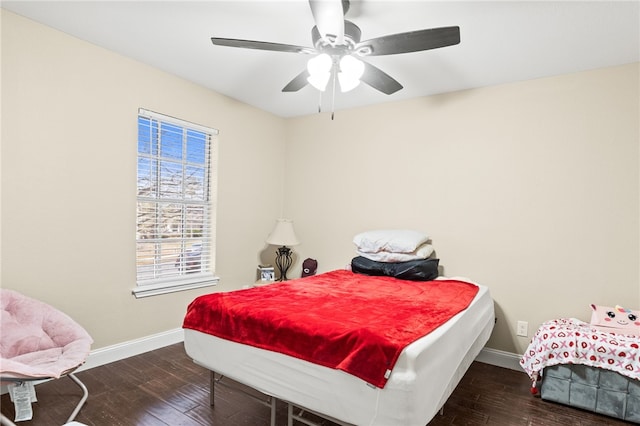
266	274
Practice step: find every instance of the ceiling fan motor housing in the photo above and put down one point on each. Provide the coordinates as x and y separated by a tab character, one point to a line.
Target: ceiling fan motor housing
352	35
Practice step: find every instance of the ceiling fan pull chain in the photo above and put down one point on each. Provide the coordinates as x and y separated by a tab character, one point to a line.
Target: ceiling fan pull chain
333	95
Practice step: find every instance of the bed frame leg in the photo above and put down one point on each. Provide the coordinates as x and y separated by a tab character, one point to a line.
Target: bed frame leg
442	410
270	401
273	411
212	388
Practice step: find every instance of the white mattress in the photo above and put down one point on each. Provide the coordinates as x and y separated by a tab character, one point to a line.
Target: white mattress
424	377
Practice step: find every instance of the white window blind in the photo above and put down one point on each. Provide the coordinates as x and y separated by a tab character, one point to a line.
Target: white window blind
175	227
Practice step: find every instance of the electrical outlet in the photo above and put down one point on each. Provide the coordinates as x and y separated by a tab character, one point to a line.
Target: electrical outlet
523	329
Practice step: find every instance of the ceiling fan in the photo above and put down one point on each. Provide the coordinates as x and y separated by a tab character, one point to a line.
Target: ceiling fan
337	48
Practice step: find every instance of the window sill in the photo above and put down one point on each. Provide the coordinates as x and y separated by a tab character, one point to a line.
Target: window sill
157	288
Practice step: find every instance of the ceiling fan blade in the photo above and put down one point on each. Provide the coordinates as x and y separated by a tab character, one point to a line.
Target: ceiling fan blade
329	18
379	79
297	83
412	41
261	45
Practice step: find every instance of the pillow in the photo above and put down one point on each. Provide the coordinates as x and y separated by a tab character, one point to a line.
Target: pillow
414	270
615	320
422	252
397	241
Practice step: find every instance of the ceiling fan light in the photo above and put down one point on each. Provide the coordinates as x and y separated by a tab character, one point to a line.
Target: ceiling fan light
352	67
319	68
319	64
347	82
319	80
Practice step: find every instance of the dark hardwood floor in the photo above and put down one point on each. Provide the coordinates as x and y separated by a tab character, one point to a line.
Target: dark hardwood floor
164	387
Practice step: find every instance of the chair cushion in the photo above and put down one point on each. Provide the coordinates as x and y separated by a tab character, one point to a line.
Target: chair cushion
37	339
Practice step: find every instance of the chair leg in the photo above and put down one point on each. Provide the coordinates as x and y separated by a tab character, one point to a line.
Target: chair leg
85	395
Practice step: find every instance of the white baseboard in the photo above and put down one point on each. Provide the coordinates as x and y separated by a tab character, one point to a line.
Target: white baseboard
124	350
500	359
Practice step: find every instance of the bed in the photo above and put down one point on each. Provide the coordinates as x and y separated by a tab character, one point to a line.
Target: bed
423	375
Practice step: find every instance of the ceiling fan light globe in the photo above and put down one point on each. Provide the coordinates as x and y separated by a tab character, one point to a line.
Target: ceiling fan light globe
352	66
319	80
347	82
319	68
351	70
319	64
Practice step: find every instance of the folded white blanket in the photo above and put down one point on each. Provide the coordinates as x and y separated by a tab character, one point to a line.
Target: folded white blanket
389	240
422	252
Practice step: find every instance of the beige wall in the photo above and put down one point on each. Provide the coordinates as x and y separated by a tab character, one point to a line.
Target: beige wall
69	178
531	188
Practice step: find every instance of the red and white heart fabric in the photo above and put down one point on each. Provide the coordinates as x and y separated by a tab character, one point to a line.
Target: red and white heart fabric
571	341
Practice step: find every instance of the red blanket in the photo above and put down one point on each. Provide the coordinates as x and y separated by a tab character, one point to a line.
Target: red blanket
351	322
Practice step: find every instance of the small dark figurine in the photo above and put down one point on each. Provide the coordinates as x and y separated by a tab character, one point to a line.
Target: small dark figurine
309	267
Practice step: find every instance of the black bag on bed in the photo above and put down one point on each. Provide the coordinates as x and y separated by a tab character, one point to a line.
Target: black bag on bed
414	270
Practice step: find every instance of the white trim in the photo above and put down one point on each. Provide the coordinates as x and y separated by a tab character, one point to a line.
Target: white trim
131	348
178	121
500	359
124	350
147	290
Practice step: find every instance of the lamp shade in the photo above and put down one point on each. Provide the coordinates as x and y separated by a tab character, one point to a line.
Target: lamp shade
283	234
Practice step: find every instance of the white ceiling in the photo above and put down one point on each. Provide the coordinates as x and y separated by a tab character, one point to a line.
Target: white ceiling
501	42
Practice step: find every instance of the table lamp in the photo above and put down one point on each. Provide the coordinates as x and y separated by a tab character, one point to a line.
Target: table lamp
283	236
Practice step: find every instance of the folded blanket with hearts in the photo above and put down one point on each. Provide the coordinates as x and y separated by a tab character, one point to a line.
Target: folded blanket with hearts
571	341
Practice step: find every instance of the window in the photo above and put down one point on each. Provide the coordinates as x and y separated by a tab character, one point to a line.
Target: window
175	232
